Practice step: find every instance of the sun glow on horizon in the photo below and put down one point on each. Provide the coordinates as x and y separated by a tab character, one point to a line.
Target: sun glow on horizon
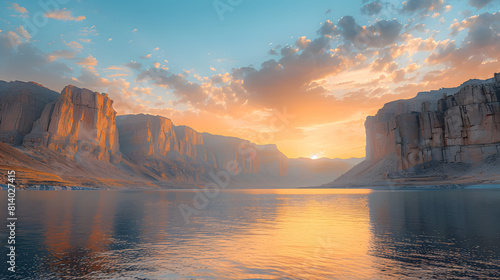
315	156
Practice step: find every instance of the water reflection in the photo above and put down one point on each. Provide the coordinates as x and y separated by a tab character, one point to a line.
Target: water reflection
249	234
436	234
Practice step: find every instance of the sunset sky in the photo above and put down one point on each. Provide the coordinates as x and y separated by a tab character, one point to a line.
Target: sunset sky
302	75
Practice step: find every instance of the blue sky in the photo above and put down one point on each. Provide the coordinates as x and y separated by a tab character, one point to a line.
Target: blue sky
213	69
190	34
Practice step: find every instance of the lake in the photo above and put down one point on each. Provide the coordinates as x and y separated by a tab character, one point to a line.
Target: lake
256	234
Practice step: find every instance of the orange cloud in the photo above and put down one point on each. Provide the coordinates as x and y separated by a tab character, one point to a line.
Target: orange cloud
64	15
88	61
19	9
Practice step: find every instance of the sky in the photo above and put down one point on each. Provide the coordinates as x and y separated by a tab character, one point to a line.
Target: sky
303	75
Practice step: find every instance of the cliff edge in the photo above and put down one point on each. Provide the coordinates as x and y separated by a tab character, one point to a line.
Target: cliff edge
450	135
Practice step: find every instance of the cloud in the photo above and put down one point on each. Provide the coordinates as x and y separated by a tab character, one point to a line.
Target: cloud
11	39
379	34
134	65
61	54
186	91
74	45
88	61
28	63
119	68
148	56
272	52
478	4
23	32
143	90
220	79
302	42
478	53
86	31
212	68
422	6
328	28
371	9
19	9
63	15
134	30
118	75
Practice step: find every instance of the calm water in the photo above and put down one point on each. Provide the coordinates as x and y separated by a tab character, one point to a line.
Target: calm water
257	234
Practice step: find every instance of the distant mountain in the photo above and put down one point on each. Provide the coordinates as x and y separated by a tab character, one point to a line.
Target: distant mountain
75	138
450	136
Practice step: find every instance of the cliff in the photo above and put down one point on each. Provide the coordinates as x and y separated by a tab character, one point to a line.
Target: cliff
450	126
75	138
141	136
21	104
79	123
183	154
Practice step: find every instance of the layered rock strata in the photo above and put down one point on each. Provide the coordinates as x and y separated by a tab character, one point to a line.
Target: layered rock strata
79	123
463	127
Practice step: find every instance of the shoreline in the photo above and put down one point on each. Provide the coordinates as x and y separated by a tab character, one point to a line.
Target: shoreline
376	187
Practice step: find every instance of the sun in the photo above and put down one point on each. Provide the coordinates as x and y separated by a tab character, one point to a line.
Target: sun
314	157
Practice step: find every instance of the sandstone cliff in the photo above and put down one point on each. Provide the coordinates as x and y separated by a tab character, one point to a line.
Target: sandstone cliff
450	126
75	138
183	154
79	123
21	104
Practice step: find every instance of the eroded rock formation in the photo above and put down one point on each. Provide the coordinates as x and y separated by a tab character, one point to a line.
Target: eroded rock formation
463	127
79	123
154	141
76	138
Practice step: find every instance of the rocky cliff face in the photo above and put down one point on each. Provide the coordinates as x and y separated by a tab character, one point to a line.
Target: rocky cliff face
142	136
21	104
79	123
459	127
190	155
76	138
463	127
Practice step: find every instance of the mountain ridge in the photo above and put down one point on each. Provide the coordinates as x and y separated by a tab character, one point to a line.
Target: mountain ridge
78	139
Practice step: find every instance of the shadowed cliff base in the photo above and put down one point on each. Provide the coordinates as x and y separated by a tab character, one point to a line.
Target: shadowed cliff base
446	138
76	139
